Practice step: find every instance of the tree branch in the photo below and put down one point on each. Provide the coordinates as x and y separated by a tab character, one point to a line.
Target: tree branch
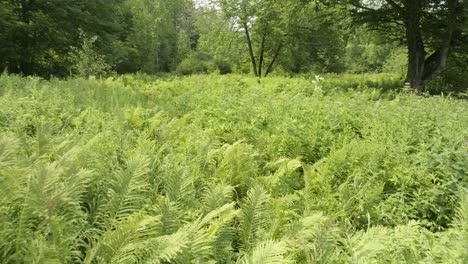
394	5
359	5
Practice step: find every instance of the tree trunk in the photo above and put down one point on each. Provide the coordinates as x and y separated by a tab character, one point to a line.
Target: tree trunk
436	63
251	53
416	54
26	63
262	53
270	66
421	70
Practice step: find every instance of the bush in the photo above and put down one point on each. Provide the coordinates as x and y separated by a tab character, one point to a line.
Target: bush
223	66
86	61
454	79
196	63
199	63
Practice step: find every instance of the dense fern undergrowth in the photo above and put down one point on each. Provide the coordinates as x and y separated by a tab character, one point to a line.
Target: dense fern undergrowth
230	169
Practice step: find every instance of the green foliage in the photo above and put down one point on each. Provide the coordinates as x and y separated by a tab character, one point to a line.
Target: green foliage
366	52
453	79
197	63
397	62
38	36
230	169
86	61
158	37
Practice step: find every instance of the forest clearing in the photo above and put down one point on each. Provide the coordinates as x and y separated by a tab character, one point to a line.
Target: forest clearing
233	131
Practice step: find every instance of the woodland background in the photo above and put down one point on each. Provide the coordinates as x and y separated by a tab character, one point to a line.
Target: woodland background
423	42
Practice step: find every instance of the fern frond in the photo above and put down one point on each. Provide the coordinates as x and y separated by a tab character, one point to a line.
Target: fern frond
216	195
368	244
405	243
316	239
8	147
179	186
267	252
461	223
124	242
193	242
238	165
253	216
127	190
171	216
284	168
52	208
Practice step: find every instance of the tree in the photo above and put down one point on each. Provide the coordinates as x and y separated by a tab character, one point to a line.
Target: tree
431	30
158	34
263	24
216	35
86	61
367	51
37	35
315	39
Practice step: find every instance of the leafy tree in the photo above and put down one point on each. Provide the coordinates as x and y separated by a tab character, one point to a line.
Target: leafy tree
86	61
366	51
263	24
159	34
315	40
216	35
37	35
431	30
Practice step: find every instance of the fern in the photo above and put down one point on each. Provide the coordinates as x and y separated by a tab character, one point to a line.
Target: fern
461	225
127	190
316	239
137	169
52	209
171	216
237	167
254	216
194	241
267	252
125	241
216	195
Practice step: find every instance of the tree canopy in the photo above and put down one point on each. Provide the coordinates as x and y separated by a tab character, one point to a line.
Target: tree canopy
260	37
430	29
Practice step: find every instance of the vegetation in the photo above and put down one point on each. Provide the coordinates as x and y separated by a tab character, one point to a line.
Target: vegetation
424	41
230	169
431	28
130	131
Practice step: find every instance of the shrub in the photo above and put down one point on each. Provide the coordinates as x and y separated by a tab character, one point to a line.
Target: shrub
86	61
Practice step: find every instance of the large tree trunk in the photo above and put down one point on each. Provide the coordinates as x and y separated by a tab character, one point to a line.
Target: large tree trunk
251	53
422	70
416	57
415	44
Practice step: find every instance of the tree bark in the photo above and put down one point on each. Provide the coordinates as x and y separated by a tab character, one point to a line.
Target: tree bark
422	70
251	53
416	55
262	53
415	44
277	52
436	63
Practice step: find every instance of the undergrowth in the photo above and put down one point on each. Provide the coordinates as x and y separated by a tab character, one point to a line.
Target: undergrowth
230	169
